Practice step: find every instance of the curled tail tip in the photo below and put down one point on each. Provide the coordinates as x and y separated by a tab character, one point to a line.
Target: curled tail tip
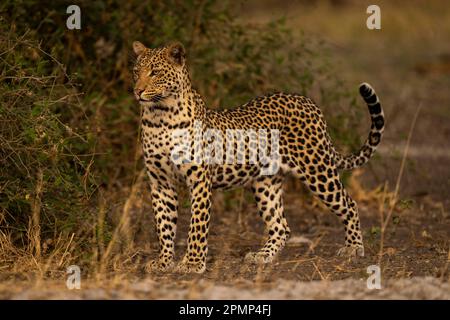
368	93
376	132
366	89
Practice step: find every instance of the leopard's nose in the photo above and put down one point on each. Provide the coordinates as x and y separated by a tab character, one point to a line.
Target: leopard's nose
138	92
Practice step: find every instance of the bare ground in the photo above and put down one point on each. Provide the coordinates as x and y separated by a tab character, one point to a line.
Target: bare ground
414	264
414	288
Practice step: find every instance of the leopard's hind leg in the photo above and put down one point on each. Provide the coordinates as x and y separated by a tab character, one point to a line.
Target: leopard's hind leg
323	180
268	194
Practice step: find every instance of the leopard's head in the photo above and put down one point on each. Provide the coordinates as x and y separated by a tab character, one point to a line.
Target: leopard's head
159	74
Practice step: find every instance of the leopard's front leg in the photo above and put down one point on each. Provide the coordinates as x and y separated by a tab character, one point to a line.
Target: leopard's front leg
165	206
200	186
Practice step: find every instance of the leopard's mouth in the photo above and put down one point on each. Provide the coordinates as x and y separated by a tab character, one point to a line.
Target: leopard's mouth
152	98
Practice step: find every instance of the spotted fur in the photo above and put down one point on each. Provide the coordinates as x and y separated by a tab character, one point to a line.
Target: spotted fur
163	88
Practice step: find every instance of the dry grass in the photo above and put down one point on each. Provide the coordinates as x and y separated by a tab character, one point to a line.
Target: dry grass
385	219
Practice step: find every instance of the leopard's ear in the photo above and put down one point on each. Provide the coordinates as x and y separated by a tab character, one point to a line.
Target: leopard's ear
138	48
176	53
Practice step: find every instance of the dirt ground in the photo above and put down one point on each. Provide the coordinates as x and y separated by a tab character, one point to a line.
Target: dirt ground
408	63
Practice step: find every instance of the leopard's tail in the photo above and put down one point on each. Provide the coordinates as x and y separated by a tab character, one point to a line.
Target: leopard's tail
359	158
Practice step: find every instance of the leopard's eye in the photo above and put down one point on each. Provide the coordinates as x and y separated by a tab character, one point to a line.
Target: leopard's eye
153	73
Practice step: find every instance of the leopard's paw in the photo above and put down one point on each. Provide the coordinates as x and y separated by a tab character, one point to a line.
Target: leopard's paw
159	265
351	251
191	267
258	257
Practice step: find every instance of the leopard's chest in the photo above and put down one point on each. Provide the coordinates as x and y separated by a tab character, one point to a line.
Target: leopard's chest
157	145
161	147
156	141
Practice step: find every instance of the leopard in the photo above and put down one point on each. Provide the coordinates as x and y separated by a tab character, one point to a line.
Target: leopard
170	104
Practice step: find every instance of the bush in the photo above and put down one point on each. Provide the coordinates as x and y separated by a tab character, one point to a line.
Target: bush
44	175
